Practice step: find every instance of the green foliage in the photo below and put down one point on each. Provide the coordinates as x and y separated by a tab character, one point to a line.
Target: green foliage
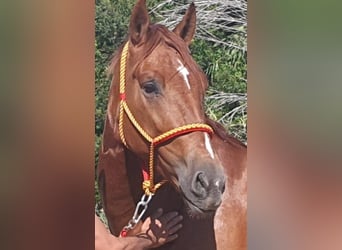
224	67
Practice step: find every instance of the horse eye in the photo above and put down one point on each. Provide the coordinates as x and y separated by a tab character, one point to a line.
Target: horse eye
150	88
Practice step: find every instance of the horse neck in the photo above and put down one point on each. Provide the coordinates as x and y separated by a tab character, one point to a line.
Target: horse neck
134	169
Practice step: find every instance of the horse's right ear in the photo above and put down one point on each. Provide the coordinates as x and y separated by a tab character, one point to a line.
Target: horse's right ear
139	23
186	28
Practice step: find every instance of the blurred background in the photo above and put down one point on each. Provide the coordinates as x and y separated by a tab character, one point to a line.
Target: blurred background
294	117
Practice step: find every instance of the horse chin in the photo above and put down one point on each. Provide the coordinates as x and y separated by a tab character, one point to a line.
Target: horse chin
196	212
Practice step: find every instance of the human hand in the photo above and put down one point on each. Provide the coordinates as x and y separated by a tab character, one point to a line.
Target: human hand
160	229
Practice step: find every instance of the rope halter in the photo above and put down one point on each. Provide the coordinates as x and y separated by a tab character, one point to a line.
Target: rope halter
148	185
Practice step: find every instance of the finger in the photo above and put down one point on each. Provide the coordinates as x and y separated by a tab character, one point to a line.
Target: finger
158	223
174	229
174	221
171	238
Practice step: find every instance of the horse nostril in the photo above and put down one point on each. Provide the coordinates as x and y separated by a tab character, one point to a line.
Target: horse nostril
203	180
200	184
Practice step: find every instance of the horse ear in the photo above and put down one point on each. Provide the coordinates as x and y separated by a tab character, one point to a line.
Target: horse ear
139	22
186	28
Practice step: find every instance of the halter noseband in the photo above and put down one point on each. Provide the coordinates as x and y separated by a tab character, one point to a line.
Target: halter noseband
148	185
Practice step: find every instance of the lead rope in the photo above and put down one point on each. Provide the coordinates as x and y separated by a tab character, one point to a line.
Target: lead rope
148	184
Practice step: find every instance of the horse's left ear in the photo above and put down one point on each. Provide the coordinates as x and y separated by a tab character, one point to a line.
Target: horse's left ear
186	28
139	23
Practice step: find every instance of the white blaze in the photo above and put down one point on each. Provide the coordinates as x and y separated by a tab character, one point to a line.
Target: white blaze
208	145
184	72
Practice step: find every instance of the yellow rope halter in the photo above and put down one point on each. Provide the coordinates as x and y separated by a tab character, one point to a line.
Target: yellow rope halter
148	185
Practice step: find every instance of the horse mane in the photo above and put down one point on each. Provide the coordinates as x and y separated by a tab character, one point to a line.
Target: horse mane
157	34
222	133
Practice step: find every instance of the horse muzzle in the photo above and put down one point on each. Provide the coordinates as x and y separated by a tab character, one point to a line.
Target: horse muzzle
203	189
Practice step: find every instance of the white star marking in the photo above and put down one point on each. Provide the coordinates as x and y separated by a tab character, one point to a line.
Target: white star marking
184	71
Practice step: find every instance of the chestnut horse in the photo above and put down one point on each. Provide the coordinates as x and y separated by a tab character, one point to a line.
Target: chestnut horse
155	121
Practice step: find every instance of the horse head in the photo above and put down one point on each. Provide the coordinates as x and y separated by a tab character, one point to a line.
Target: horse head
163	88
